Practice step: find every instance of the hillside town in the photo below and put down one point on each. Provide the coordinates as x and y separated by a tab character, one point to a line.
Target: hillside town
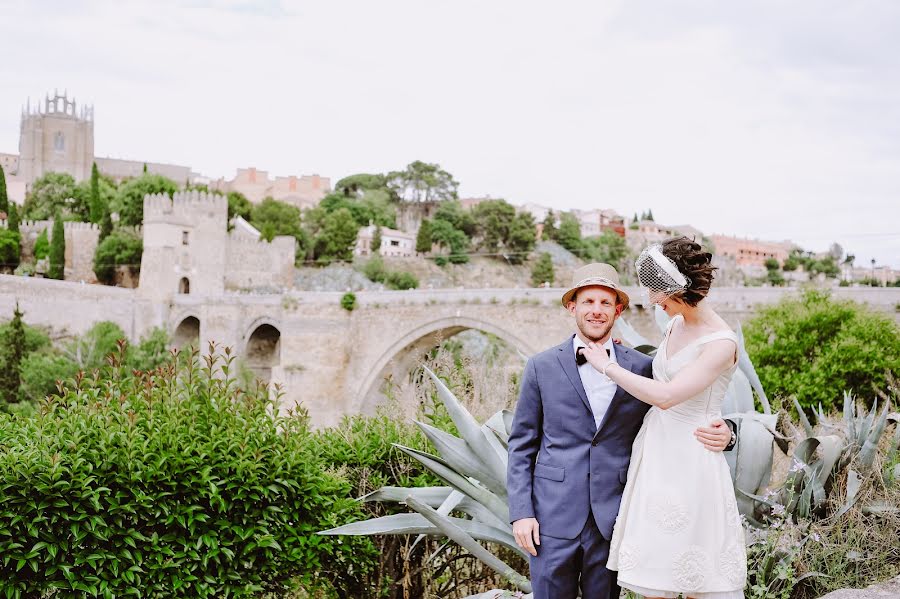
389	216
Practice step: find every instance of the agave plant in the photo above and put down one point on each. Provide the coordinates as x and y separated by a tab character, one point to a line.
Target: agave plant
474	468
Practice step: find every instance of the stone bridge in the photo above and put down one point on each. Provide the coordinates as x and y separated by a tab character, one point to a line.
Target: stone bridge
332	360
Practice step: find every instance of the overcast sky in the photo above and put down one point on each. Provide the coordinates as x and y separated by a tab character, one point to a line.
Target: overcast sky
760	118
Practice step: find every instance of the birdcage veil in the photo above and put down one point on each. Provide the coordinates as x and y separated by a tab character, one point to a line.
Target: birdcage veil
658	275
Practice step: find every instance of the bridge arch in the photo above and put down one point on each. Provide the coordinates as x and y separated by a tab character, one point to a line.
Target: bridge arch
187	331
402	352
262	349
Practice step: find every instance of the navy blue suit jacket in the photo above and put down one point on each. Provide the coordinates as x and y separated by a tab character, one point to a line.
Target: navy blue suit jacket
561	466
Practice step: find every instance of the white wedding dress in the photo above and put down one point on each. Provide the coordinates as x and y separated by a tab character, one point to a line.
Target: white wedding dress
678	529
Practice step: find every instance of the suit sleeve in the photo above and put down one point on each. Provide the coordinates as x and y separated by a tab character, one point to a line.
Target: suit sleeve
524	442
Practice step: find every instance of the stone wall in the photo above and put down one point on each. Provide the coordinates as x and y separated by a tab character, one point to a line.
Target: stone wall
254	263
81	243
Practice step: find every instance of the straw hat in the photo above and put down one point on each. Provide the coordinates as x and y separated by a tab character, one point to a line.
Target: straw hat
597	273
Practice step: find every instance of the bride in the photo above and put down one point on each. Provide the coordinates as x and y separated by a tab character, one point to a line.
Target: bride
678	529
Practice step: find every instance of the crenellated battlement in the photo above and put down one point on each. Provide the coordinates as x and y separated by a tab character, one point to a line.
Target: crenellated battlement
76	226
183	203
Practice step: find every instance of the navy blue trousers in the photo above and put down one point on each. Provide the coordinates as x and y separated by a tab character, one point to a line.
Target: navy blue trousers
562	565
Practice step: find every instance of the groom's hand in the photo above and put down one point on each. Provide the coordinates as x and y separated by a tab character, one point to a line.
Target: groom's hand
527	534
714	437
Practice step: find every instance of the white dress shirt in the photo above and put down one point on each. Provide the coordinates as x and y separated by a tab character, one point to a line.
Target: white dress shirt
598	387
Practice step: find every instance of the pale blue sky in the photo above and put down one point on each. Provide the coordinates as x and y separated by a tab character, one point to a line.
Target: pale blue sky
762	118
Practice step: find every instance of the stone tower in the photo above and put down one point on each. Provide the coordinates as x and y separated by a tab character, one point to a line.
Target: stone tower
185	245
56	137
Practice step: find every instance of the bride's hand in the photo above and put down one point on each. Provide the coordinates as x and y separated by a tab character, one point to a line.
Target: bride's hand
596	356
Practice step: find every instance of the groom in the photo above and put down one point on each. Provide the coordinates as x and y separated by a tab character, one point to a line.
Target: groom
571	444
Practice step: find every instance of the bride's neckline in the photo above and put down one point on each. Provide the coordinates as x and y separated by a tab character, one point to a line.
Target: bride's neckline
669	357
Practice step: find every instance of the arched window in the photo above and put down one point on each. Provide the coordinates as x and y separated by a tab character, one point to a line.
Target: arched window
184	286
59	142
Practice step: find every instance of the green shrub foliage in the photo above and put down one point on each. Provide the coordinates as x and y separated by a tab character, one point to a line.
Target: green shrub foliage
815	347
169	483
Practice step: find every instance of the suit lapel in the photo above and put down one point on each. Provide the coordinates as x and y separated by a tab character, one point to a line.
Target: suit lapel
623	357
566	356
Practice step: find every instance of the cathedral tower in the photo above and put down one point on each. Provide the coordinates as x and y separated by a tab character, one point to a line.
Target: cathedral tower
56	137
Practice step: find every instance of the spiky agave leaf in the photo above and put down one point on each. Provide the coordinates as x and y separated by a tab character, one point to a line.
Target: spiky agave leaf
435	497
468	428
623	329
854	482
873	437
458	534
739	396
459	482
807	427
451	503
746	366
415	524
459	455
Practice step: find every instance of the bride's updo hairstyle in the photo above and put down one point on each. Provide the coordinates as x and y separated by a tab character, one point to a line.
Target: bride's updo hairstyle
692	262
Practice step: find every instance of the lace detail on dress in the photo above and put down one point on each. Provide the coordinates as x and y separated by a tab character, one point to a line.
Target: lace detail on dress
733	564
689	569
670	515
628	557
732	517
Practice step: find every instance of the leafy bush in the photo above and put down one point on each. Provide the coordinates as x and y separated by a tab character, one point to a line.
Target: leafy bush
399	279
171	483
121	247
42	246
542	270
815	347
348	302
375	270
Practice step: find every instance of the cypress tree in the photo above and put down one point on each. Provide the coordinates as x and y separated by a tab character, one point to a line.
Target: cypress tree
549	231
12	225
4	198
12	353
542	271
106	224
94	204
12	219
57	249
376	241
635	219
145	168
423	237
649	215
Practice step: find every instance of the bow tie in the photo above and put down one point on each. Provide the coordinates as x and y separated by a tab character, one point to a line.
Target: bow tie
579	357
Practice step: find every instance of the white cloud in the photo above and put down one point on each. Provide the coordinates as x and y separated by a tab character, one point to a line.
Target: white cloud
759	118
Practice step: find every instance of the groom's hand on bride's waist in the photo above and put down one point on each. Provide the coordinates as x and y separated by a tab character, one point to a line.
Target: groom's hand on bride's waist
715	437
527	534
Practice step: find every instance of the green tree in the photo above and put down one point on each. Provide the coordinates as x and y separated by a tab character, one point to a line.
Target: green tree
549	229
11	354
450	239
95	204
521	238
337	237
54	193
4	197
569	234
650	215
121	247
492	223
106	225
608	247
239	205
542	270
376	240
422	182
816	347
274	218
57	250
371	207
144	170
12	222
357	184
457	216
423	237
129	201
772	264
